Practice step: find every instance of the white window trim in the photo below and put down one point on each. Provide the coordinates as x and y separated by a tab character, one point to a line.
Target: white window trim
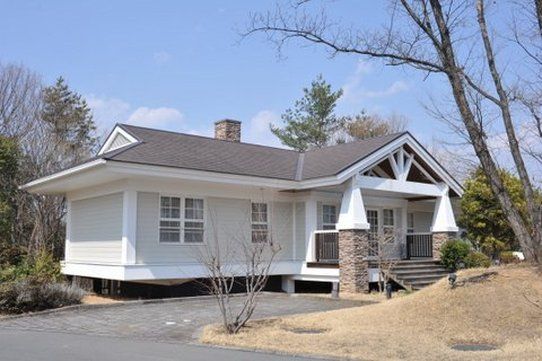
268	223
384	226
182	220
324	224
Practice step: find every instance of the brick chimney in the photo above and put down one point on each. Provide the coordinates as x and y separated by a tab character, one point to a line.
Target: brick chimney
228	129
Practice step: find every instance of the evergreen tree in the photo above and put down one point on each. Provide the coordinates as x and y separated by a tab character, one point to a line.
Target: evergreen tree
9	164
482	215
70	120
311	123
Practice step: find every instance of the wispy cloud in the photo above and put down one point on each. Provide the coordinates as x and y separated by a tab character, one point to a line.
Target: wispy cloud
156	117
108	111
161	57
355	92
257	130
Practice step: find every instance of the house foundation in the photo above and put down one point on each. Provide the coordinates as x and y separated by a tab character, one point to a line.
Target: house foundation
353	263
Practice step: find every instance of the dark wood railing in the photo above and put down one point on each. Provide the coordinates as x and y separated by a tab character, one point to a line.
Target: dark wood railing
327	246
419	245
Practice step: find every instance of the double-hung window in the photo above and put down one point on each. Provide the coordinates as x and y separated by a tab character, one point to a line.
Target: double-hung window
193	220
170	219
329	216
260	222
388	221
181	220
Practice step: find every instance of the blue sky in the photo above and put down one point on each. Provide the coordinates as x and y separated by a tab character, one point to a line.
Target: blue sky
181	66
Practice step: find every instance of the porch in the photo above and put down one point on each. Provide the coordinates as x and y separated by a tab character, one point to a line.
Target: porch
412	246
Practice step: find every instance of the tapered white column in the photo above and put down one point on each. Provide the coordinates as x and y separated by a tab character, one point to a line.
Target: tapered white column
443	216
352	215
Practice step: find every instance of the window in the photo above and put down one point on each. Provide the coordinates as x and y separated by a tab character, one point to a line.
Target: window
193	220
259	222
181	227
170	219
388	221
410	223
329	215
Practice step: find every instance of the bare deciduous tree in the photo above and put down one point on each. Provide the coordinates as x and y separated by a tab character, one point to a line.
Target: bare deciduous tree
385	248
447	38
237	260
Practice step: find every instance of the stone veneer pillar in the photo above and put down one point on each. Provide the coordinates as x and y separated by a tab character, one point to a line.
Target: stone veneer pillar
439	238
353	263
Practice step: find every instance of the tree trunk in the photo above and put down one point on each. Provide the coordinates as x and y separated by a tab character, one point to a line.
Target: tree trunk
456	79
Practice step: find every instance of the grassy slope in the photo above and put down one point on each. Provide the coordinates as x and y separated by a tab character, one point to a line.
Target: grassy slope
420	326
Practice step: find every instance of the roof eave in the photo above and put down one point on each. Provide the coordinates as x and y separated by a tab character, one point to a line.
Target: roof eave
39	183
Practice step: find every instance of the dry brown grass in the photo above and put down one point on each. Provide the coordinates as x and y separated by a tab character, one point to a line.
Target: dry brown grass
420	326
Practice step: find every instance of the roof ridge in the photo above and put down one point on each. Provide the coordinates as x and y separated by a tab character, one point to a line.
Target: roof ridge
206	137
394	135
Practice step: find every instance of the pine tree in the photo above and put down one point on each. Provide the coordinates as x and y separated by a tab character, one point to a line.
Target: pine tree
70	119
311	123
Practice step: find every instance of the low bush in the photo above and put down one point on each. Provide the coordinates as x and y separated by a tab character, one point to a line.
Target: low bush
10	253
40	268
31	295
453	253
477	259
507	257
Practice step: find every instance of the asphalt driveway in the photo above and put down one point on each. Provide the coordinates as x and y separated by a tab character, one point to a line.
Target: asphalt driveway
170	321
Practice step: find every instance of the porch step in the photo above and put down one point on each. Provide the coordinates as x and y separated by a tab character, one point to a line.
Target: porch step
417	274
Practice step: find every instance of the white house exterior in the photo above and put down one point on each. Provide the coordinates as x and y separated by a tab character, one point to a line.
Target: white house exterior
144	207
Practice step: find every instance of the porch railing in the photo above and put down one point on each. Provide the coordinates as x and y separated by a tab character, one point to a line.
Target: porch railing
419	245
327	246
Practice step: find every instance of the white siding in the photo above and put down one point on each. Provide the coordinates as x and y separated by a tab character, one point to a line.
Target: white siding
282	228
300	230
119	141
422	221
228	221
96	229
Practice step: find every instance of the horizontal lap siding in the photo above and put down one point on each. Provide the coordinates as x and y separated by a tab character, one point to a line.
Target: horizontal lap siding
282	228
300	230
422	221
96	229
227	221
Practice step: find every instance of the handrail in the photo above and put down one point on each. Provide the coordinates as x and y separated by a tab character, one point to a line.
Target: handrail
418	233
326	231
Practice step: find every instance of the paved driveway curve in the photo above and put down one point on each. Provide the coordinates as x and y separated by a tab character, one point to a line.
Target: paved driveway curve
171	321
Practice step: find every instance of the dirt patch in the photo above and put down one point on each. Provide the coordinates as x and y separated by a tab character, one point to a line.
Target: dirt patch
93	299
420	326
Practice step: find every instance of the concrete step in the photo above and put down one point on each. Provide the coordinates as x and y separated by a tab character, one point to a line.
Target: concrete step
418	268
426	277
413	272
417	274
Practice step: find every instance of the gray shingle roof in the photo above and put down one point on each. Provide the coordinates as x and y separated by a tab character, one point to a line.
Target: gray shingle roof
164	148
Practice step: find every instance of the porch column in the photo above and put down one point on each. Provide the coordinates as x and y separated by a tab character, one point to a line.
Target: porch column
443	226
353	241
129	226
311	219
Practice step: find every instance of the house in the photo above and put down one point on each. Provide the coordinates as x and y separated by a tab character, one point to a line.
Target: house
142	207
